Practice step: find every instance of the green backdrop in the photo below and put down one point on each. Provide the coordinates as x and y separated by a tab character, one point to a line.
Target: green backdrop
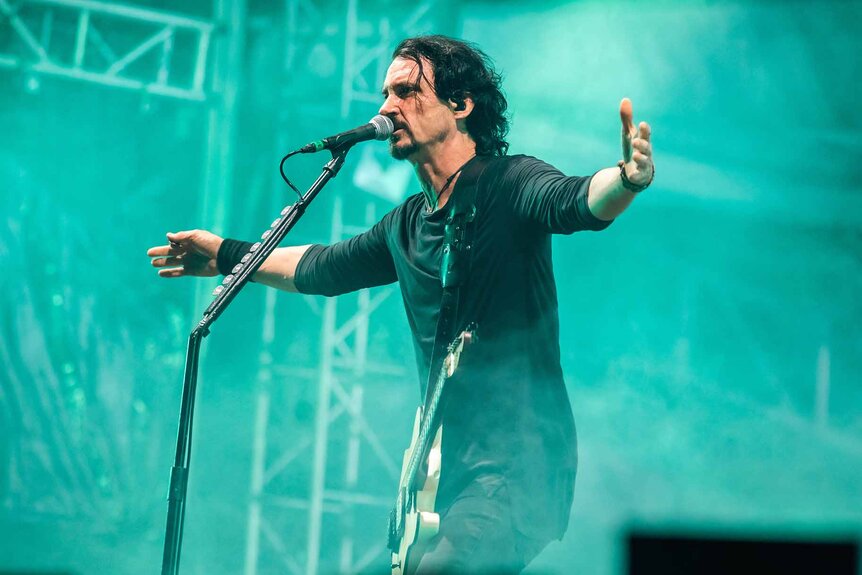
712	337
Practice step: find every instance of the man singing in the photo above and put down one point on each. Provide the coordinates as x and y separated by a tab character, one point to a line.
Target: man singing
509	449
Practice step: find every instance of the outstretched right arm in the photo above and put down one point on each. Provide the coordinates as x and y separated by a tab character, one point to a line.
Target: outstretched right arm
194	252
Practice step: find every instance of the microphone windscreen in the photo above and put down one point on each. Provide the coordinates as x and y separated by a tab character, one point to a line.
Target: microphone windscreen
383	127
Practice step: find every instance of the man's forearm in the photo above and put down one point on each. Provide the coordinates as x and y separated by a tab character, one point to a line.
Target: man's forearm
279	269
607	198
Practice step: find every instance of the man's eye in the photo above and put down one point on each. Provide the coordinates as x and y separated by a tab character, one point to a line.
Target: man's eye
403	91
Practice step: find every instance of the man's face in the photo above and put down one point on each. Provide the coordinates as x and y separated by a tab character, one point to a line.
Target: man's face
420	117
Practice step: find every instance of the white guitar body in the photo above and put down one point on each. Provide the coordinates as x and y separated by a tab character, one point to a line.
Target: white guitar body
413	521
420	521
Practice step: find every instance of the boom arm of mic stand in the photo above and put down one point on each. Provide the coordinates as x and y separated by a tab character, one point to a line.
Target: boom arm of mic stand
230	287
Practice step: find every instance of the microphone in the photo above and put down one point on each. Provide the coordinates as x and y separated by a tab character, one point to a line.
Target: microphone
378	128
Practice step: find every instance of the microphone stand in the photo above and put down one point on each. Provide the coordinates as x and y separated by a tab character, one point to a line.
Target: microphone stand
231	286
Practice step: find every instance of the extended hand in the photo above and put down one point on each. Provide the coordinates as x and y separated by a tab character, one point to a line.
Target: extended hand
637	150
191	253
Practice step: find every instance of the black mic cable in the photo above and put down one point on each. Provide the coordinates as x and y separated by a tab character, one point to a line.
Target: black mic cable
378	128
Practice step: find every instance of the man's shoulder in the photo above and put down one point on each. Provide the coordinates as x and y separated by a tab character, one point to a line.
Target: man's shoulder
520	160
511	170
413	204
505	164
407	209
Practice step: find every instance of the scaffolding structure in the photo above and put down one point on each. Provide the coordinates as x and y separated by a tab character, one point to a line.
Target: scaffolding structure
92	55
342	362
117	46
174	56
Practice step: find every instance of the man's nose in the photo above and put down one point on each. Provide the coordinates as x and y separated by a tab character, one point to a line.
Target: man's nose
386	109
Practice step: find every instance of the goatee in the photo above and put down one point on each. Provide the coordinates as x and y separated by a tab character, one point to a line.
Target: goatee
403	152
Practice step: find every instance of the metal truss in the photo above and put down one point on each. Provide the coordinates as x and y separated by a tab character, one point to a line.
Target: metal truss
367	48
98	54
127	48
343	359
369	37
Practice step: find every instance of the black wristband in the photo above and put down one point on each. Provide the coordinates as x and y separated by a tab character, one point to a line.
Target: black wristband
230	253
627	184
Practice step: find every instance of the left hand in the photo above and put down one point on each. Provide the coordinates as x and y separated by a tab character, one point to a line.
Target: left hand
637	150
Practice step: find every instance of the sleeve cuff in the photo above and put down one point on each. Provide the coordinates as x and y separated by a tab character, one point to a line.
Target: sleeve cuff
591	222
301	276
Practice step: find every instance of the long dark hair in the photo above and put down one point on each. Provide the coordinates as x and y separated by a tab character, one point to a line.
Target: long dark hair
461	70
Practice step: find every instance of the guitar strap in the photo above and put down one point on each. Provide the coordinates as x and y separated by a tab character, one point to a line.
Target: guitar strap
456	261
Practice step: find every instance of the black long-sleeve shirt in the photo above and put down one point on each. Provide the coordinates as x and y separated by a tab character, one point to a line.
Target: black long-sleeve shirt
506	410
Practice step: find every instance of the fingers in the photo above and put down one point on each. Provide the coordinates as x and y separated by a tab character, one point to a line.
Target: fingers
171	261
174	265
636	144
177	237
170	256
177	266
642	146
172	273
169	250
635	141
190	253
174	248
627	116
196	241
628	128
642	160
644	131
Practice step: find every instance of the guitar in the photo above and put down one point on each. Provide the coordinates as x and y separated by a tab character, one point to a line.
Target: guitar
412	521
